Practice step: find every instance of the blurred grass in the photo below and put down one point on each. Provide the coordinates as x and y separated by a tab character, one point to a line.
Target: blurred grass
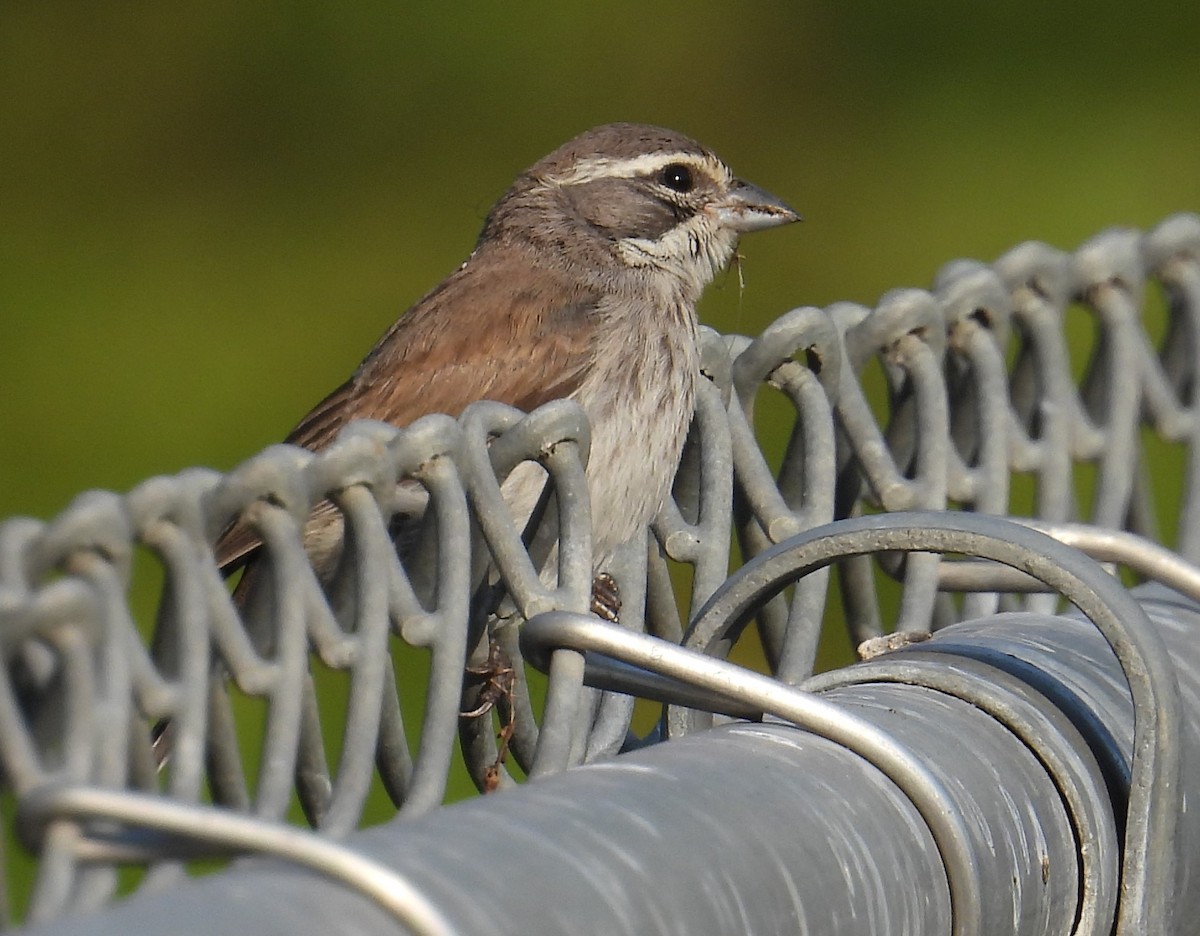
210	212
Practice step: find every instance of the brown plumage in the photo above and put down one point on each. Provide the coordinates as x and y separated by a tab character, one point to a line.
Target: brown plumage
583	284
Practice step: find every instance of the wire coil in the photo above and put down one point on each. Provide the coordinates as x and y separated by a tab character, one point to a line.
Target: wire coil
985	413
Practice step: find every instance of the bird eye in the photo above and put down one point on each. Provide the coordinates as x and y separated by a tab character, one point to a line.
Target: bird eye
677	177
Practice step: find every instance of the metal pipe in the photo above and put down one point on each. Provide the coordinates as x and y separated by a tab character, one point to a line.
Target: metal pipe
762	828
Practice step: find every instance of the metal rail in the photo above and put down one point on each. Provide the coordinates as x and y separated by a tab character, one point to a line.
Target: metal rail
984	414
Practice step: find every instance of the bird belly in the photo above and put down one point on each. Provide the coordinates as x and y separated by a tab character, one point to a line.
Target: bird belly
640	407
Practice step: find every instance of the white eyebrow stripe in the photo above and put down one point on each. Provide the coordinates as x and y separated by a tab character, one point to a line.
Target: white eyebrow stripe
602	167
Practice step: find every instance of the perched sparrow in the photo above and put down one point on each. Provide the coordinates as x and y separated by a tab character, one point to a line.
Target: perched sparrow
583	285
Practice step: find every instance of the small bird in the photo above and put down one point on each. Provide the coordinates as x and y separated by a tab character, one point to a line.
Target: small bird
583	285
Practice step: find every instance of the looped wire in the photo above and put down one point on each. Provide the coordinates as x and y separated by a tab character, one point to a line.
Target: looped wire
961	397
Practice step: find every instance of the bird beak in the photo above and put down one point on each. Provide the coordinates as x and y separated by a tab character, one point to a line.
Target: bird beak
749	208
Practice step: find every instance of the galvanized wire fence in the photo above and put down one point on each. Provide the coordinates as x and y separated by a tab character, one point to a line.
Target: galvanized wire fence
990	410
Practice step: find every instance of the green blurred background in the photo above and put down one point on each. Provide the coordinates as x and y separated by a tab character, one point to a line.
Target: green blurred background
211	211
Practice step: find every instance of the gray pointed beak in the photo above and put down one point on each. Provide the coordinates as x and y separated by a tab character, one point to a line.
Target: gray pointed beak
748	208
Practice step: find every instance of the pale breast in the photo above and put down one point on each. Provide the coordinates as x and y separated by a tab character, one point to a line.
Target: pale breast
639	398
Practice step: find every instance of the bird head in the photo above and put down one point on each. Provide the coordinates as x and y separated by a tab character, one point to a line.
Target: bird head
634	199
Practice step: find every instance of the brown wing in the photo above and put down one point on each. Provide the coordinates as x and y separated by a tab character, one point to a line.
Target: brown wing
497	329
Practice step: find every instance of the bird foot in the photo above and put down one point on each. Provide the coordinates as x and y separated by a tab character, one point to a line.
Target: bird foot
606	598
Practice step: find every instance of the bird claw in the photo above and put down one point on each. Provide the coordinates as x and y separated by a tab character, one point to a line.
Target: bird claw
498	679
606	598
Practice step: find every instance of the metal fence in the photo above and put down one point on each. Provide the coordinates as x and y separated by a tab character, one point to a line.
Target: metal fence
991	410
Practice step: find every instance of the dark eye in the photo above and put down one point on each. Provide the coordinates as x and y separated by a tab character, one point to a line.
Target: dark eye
677	177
